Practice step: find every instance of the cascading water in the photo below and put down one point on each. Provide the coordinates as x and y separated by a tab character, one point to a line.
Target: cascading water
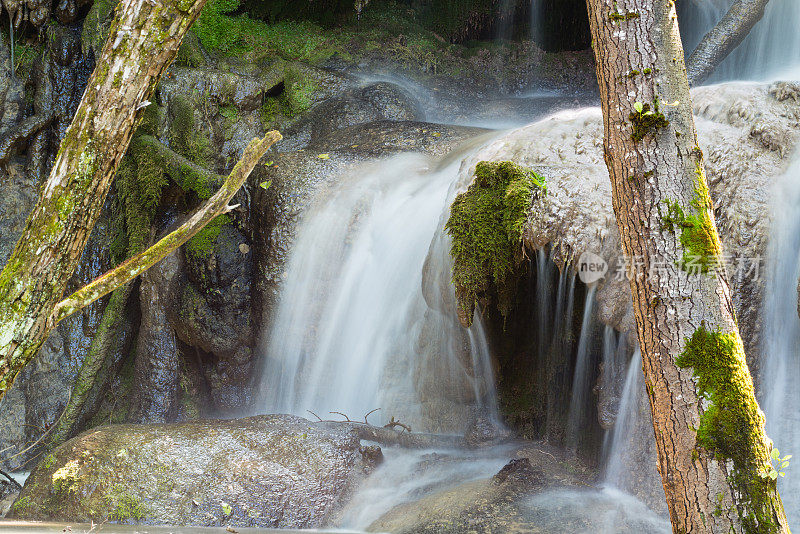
770	51
626	421
353	331
581	388
780	395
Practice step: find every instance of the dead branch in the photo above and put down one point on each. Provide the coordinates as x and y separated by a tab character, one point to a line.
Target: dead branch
130	269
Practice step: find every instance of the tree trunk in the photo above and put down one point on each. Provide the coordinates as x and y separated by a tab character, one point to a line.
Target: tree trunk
713	454
144	39
723	38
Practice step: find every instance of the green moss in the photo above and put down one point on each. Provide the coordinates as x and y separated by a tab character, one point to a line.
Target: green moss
732	425
646	120
699	239
298	92
621	17
201	245
124	506
486	225
22	506
185	135
65	478
96	25
269	112
49	461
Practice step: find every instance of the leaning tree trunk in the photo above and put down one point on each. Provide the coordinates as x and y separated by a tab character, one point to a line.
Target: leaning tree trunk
713	454
144	39
723	38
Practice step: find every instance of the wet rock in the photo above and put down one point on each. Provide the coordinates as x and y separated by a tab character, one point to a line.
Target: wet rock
372	455
519	471
375	102
156	363
495	504
484	431
266	471
212	312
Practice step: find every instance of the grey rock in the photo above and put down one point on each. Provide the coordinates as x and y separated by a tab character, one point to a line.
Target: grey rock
265	471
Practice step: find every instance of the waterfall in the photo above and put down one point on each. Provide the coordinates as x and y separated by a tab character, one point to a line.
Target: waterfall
627	415
780	391
770	51
352	331
581	388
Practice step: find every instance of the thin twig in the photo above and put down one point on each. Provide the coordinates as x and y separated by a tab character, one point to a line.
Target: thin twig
368	414
315	415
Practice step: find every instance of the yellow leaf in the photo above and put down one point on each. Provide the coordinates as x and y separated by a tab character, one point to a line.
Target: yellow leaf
324	156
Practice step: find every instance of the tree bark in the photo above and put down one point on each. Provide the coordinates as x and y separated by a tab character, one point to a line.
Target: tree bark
144	39
713	453
723	38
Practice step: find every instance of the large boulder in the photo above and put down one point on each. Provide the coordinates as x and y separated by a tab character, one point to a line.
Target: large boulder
265	471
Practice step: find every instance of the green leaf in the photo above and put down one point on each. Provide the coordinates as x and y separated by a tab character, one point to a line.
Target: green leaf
265	185
226	508
638	106
773	474
775	454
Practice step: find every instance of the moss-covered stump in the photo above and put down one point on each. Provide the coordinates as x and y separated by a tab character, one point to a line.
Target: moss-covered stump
265	471
486	225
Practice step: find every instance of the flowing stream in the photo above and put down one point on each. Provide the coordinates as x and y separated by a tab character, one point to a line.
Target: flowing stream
780	394
353	331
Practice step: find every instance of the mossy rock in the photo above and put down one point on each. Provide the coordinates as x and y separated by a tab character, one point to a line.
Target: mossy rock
266	471
486	225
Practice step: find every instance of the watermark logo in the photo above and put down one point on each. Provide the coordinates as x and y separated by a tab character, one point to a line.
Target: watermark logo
591	268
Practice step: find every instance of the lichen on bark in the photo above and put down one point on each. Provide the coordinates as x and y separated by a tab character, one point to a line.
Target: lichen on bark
698	235
485	225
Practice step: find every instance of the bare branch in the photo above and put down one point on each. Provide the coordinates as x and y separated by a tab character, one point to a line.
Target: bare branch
130	269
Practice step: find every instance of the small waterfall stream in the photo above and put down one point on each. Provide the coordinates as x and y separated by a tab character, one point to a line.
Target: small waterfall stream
581	388
353	332
622	433
780	394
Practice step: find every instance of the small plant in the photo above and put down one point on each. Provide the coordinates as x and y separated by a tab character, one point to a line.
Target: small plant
646	120
226	508
777	465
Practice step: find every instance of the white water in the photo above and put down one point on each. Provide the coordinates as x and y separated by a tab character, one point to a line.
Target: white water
607	511
780	384
581	388
626	422
770	51
353	332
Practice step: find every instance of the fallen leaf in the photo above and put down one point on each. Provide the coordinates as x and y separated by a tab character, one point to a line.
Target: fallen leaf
324	156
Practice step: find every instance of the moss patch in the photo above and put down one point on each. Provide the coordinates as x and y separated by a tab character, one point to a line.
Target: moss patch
646	120
732	425
699	239
486	225
201	245
124	507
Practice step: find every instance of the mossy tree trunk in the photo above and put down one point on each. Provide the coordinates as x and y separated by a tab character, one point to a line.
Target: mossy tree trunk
713	454
723	38
144	39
